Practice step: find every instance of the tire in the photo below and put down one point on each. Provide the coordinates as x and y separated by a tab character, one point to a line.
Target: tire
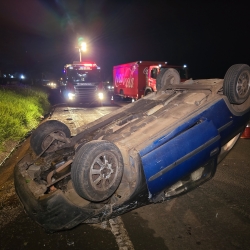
97	170
236	85
148	91
167	77
40	138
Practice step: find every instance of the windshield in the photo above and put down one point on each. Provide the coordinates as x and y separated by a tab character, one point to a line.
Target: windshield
83	75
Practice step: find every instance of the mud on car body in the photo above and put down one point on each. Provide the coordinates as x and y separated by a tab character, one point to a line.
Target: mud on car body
152	150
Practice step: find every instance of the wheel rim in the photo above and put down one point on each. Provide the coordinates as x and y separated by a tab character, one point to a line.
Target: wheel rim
243	84
55	144
104	171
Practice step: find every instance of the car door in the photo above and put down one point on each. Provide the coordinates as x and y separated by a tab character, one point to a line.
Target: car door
181	155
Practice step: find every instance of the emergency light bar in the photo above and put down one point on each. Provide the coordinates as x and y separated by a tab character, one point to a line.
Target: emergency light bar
86	64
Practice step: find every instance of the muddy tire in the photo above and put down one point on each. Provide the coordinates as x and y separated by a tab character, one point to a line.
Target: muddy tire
148	91
167	77
236	84
40	138
97	170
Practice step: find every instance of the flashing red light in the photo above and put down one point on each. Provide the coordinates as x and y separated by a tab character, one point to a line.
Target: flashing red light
90	64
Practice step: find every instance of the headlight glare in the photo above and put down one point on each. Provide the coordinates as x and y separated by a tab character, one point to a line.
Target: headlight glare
71	96
100	95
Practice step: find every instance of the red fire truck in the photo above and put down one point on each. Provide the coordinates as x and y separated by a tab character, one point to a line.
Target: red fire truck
137	79
82	83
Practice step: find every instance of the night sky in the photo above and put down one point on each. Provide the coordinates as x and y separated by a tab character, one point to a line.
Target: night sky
41	35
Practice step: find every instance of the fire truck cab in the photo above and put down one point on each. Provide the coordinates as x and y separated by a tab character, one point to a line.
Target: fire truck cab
82	83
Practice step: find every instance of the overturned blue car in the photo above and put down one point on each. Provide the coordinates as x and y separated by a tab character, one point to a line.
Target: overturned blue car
157	148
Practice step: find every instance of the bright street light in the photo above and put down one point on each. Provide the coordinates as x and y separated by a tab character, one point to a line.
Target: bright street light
83	47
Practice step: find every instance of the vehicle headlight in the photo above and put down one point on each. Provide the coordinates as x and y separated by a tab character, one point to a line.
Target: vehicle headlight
71	96
52	84
100	95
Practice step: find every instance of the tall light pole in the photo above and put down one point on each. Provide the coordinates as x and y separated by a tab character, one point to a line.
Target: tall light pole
82	47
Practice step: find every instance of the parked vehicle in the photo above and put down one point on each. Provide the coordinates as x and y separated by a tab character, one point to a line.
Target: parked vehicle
82	83
52	84
152	150
137	79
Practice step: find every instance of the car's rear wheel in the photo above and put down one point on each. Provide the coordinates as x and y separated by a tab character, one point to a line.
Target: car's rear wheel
43	138
167	77
236	84
97	170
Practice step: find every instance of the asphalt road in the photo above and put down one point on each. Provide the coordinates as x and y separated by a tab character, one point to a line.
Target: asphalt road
213	216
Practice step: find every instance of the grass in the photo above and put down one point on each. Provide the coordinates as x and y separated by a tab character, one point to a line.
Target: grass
21	108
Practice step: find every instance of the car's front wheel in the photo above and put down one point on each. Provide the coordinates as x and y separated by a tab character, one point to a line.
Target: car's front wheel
97	170
236	84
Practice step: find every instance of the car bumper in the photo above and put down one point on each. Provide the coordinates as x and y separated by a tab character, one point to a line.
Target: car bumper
54	211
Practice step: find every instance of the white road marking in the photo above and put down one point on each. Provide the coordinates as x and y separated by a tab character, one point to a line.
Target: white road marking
121	234
77	125
98	111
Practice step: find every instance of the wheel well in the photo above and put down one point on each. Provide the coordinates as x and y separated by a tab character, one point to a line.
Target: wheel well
148	90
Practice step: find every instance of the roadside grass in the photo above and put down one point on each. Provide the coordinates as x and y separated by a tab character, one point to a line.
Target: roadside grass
21	108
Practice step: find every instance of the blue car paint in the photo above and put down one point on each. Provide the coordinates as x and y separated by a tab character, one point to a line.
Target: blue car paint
165	161
180	156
